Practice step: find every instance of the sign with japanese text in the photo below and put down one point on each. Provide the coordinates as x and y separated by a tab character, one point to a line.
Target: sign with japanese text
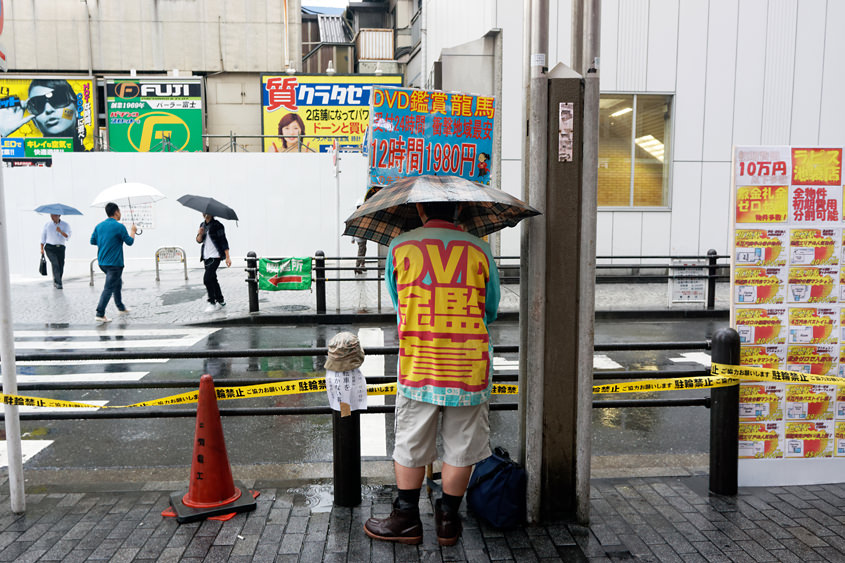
307	113
154	115
416	132
40	116
787	273
288	273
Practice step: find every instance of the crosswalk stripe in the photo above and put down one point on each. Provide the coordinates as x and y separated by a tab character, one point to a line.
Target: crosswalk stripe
28	449
86	362
81	333
702	358
184	342
82	377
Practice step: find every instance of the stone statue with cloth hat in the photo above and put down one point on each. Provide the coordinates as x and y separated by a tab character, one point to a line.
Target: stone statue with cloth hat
345	384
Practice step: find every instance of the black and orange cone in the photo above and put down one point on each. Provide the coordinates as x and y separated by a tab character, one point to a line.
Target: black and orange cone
211	490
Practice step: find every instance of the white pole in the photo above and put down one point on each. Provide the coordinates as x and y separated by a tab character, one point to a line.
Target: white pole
7	357
337	221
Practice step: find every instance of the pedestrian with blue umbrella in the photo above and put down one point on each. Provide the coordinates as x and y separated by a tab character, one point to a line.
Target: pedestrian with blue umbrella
54	237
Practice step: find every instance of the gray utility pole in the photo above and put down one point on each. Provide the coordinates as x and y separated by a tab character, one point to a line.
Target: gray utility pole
558	271
7	364
533	262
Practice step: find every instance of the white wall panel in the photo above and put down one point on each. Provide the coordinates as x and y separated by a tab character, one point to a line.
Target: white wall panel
809	66
662	45
719	89
656	236
750	69
686	202
833	81
609	45
692	59
633	45
511	183
627	233
604	233
560	32
510	18
780	69
715	207
276	218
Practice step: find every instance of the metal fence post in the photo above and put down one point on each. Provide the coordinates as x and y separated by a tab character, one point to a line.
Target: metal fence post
724	418
252	280
346	437
711	279
320	270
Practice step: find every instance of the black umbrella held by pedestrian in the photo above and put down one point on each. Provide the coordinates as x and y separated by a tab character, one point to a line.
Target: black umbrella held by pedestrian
392	210
208	205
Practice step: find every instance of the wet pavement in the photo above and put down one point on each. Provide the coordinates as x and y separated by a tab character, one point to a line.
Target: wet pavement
634	519
175	301
666	515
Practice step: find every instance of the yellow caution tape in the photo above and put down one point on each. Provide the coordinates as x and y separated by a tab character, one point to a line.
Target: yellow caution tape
776	375
670	384
722	375
296	387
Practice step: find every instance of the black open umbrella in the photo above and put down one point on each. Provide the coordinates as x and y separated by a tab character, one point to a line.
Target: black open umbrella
208	205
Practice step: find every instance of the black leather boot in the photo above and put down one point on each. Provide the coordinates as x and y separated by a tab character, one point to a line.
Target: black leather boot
447	524
403	525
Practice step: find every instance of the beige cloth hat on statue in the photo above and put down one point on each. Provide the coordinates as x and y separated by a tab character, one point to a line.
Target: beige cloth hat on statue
345	353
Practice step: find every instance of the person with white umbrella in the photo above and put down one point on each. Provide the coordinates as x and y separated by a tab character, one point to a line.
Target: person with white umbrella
109	237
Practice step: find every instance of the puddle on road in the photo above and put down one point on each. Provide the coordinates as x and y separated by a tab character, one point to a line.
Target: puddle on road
182	295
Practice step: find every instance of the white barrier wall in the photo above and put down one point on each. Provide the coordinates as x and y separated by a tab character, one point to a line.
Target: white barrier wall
287	204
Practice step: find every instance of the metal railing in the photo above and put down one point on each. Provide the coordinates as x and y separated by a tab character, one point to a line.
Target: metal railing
722	402
509	272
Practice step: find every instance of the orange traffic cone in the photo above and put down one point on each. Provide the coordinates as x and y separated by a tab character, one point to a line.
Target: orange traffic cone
211	490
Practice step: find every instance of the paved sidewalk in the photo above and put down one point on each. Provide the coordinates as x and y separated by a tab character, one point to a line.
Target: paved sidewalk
641	519
173	300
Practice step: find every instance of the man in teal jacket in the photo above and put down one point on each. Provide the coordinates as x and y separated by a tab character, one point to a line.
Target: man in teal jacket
109	237
445	287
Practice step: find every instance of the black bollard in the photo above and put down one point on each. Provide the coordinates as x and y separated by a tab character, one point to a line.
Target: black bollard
252	280
346	435
724	418
320	272
711	279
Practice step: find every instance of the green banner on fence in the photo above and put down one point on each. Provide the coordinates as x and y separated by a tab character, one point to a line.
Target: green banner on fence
287	273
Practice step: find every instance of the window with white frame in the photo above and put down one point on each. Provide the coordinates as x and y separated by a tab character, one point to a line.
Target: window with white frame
634	135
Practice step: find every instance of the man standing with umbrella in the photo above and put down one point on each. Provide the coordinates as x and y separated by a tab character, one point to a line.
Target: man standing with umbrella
445	288
54	236
109	237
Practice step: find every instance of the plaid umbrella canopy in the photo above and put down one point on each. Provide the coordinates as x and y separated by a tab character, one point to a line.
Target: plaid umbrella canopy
392	210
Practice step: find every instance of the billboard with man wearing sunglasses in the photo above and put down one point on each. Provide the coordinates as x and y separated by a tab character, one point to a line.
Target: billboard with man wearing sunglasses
40	116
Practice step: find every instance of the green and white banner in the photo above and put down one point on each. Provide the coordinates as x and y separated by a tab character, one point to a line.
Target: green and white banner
288	273
154	115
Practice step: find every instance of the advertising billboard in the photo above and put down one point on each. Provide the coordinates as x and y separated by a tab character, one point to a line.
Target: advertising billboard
40	116
154	114
787	265
415	132
317	110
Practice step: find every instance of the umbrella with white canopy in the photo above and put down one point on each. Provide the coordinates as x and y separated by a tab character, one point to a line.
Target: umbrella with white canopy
129	194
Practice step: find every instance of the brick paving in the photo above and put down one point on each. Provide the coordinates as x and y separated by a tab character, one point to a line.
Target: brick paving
639	519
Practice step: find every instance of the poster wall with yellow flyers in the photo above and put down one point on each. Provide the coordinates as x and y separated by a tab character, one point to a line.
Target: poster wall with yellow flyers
787	275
